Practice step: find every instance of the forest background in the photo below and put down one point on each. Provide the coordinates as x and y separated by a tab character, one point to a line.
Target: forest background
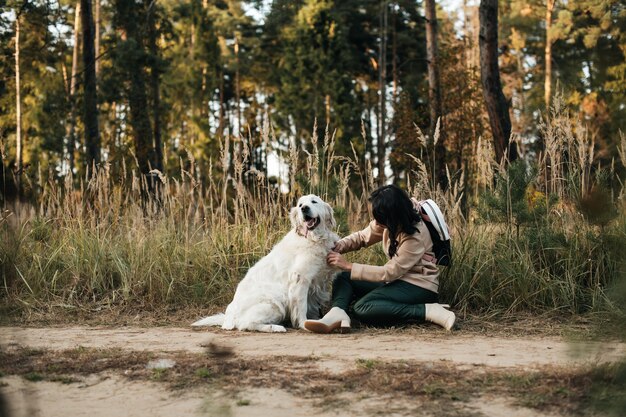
150	149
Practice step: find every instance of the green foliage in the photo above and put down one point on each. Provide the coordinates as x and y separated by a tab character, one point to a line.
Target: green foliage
588	40
512	200
555	261
546	269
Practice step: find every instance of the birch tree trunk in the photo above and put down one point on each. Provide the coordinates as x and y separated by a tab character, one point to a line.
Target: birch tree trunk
394	59
382	83
496	103
90	99
220	127
237	86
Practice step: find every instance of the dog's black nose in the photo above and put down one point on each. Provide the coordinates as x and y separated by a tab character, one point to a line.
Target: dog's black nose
305	209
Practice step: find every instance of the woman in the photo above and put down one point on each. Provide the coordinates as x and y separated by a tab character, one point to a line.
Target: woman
405	288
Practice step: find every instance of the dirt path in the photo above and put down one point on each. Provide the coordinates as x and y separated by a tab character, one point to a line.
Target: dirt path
110	393
432	345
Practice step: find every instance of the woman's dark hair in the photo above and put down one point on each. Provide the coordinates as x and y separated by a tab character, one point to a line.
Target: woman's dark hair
392	207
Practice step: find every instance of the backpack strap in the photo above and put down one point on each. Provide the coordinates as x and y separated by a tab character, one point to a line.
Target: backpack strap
431	213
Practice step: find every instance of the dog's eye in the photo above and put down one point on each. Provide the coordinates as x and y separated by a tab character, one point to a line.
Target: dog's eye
300	205
314	202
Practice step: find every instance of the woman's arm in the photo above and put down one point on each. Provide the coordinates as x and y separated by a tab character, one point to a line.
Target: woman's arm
373	233
410	252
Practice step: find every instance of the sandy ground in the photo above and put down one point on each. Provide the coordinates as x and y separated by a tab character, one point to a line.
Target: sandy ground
468	349
104	395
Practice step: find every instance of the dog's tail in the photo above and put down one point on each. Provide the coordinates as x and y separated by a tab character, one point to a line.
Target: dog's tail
215	320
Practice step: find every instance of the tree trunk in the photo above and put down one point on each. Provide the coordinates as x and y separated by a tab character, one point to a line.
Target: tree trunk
394	59
204	110
135	71
237	86
98	36
155	86
71	128
548	56
496	103
90	99
382	82
434	90
327	107
220	127
18	107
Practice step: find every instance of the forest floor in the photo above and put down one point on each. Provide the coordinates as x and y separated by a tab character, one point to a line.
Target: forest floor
522	369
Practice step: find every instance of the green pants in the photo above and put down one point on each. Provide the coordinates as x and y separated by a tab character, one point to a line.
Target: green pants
381	304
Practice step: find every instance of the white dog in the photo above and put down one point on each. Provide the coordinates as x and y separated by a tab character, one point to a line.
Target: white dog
291	282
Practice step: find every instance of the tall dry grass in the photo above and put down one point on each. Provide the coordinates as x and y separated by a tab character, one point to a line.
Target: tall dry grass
118	238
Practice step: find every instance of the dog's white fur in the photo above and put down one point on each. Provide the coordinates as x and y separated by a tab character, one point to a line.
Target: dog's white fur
292	281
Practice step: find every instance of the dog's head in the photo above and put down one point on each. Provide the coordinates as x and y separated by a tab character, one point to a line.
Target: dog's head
312	214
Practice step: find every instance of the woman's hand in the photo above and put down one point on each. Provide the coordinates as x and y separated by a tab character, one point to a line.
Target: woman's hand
337	260
339	246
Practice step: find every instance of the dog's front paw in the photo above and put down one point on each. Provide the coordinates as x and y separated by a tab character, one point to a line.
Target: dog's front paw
277	328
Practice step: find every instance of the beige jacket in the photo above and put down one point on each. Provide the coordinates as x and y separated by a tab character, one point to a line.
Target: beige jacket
414	261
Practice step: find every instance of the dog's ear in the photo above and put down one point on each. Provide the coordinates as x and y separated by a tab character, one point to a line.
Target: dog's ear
330	218
293	216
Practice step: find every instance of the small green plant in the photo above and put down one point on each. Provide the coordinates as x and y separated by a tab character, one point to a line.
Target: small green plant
203	373
33	377
158	374
243	403
367	363
514	201
64	379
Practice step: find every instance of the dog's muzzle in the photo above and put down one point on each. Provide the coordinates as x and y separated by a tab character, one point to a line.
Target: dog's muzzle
310	221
